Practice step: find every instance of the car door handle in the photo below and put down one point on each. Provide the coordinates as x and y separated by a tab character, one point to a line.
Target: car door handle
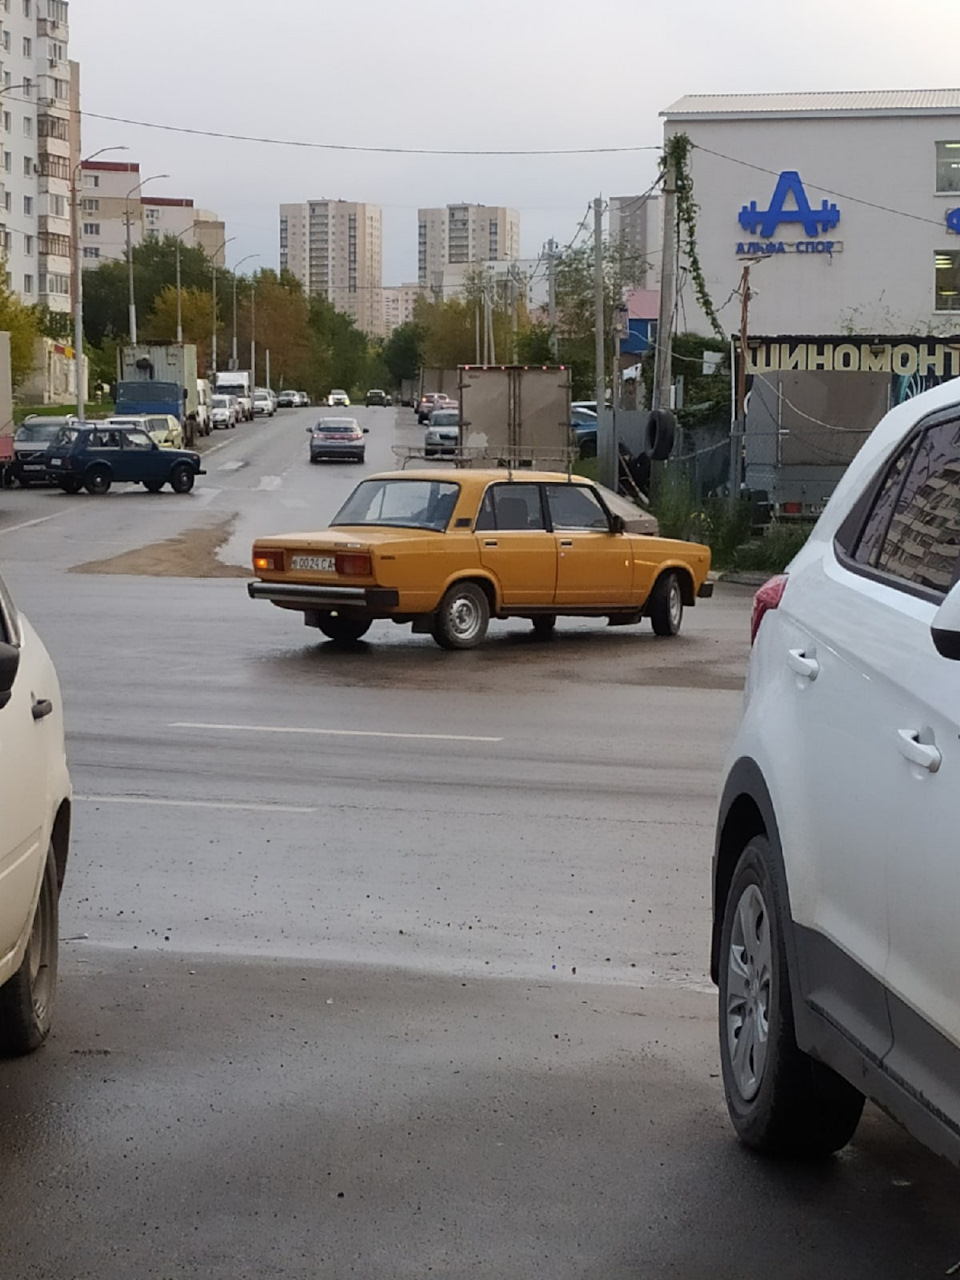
42	707
798	661
491	542
924	754
566	542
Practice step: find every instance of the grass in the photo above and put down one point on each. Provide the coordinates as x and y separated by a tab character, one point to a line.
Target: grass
771	553
21	411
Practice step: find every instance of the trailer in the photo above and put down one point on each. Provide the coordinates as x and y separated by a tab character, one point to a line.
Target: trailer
516	415
161	378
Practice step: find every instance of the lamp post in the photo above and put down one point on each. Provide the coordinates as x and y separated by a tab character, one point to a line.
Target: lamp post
179	239
235	270
78	275
213	346
253	331
133	301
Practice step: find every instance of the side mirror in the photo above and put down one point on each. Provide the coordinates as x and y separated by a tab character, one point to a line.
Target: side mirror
9	664
309	431
618	524
366	431
945	628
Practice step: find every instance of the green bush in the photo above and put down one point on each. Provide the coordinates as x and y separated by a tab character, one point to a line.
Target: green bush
773	552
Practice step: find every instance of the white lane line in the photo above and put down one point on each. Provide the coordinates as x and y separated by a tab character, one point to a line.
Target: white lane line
236	465
29	524
331	733
195	804
269	484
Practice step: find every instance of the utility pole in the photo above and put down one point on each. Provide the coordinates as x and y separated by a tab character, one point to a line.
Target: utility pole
253	332
738	432
606	450
552	296
515	310
668	284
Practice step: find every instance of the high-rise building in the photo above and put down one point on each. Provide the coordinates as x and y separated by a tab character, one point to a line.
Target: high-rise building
109	197
464	234
398	304
334	248
636	220
40	144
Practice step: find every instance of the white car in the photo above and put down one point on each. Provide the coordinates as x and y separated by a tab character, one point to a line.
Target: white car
34	831
836	875
338	397
224	411
263	403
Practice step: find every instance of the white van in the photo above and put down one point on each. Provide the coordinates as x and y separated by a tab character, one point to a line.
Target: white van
204	406
34	834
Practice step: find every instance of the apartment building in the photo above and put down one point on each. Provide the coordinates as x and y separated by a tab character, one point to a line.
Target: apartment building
39	147
636	221
334	248
398	304
461	234
110	195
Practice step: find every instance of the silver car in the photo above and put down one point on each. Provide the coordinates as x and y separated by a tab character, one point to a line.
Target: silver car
443	433
337	438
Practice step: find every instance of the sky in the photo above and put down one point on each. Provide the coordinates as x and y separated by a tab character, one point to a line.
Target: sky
435	75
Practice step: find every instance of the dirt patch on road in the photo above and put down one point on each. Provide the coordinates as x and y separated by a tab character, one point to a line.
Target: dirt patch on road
191	554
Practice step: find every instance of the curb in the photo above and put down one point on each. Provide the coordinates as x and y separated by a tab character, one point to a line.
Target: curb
746	579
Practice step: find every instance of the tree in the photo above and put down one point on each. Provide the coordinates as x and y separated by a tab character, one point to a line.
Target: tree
21	323
403	352
197	308
576	308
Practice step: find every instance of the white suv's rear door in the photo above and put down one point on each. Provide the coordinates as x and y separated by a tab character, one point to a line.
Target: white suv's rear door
24	779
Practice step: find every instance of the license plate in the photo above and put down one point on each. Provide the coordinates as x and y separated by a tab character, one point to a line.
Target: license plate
56	462
321	564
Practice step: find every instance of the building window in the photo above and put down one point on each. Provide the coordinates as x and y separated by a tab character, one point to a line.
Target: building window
947	280
27	47
27	167
91	179
91	228
28	206
948	166
91	206
8	201
7	241
27	89
91	251
7	162
6	47
7	122
27	8
58	206
28	246
28	284
27	127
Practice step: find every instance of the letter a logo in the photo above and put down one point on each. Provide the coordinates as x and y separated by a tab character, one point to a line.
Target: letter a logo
789	184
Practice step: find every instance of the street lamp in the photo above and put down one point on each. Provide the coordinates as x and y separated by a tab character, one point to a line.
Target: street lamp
133	301
78	274
235	270
213	352
179	239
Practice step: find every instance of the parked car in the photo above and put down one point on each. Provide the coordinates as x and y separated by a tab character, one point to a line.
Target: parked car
426	405
163	428
338	397
376	397
35	800
584	425
288	399
28	464
835	876
442	435
448	550
304	400
224	411
263	406
337	438
94	456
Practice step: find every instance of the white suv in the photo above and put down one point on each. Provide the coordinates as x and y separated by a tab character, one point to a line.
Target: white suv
836	876
34	831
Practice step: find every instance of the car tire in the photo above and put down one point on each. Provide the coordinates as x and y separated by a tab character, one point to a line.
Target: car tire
666	605
24	482
781	1101
26	1000
660	434
182	478
97	481
462	619
71	484
343	630
153	486
544	624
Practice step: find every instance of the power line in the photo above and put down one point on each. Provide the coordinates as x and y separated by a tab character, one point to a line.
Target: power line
379	150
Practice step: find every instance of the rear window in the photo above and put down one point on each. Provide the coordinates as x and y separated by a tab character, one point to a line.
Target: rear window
410	504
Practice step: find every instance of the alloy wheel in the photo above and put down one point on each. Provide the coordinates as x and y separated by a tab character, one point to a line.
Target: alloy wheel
749	989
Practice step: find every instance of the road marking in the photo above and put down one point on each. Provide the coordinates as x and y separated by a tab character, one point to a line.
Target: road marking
195	804
29	524
269	484
236	465
332	733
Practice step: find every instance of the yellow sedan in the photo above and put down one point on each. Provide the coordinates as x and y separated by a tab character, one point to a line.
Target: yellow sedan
449	550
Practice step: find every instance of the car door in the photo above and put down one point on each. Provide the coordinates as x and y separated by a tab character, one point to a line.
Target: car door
594	565
103	446
142	459
514	544
23	780
918	798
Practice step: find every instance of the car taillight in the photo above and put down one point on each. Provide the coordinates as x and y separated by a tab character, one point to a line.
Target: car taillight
352	565
268	561
768	597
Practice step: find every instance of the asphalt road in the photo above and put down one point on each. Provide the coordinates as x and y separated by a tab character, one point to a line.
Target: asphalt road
390	963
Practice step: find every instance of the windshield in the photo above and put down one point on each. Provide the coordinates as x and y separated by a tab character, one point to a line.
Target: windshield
411	504
221	402
446	418
230	390
38	432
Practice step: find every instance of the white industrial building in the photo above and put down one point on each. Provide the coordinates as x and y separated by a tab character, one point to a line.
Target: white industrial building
40	148
846	205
